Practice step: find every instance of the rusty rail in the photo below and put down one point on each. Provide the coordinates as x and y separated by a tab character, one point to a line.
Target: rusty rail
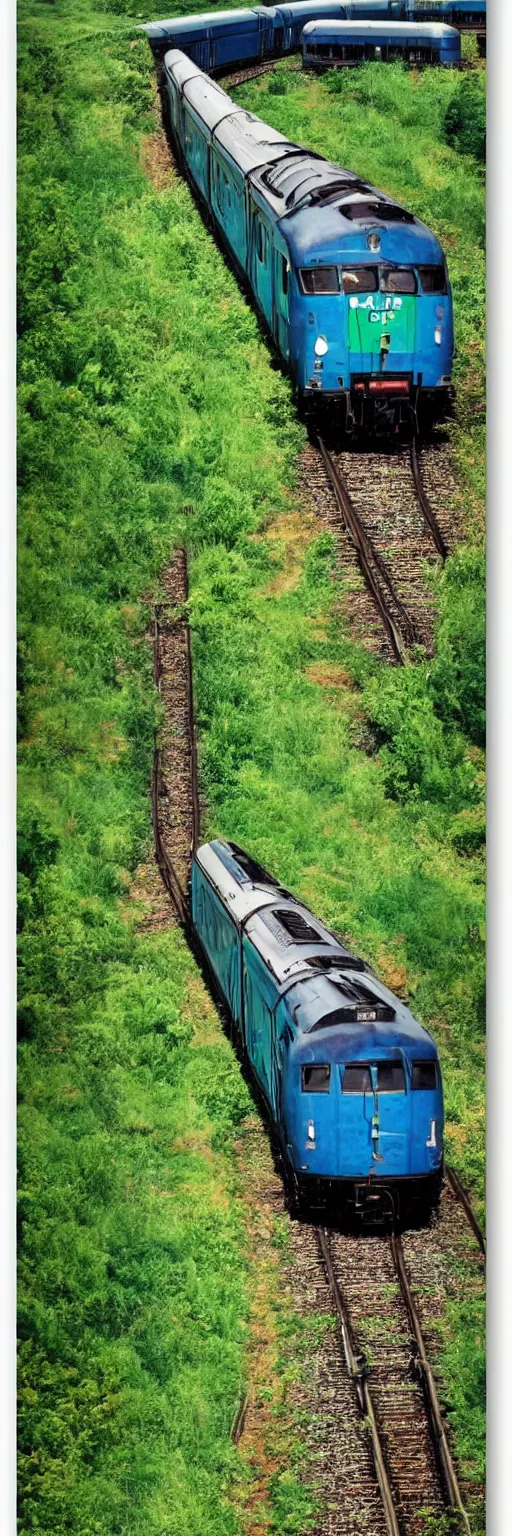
439	1436
237	1427
426	506
166	866
368	557
357	1370
462	1196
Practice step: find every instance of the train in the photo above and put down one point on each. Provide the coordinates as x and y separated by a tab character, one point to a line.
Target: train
217	39
332	44
353	288
351	1081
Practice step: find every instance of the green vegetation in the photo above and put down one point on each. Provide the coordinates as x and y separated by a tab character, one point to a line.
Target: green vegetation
150	411
464	122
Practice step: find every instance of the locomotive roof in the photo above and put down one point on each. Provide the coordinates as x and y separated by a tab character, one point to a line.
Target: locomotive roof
390	30
348	1017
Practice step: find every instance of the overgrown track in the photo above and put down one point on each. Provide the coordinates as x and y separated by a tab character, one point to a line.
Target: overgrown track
396	1393
174	785
462	1196
239	76
384	508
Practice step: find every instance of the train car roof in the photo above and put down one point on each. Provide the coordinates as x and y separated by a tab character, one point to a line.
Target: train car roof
181	67
209	100
180	26
250	142
387	30
240	894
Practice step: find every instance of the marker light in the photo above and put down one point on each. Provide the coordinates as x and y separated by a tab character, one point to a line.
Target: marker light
373	242
438	335
311	1130
321	346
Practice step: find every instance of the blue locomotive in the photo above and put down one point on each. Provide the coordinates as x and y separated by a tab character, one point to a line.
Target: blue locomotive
351	1081
353	288
330	44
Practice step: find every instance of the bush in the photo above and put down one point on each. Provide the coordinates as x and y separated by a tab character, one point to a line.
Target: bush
458	670
464	123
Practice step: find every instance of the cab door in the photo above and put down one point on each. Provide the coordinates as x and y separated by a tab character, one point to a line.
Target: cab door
261	262
281	327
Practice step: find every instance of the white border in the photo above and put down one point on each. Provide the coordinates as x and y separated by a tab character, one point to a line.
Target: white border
500	763
7	774
499	663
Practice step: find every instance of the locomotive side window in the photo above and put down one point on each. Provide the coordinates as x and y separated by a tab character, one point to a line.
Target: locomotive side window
398	280
316	1079
320	280
360	279
357	1078
390	1077
433	279
424	1074
261	241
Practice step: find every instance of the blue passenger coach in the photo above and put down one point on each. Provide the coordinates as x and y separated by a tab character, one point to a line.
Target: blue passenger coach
333	44
353	288
351	1080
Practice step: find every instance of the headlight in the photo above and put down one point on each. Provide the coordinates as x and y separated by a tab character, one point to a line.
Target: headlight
373	242
321	346
438	335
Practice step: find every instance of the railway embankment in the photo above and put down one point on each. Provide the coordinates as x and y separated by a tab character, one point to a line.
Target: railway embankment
150	416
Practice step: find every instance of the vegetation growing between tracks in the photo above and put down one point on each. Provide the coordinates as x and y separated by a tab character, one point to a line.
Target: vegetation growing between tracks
149	411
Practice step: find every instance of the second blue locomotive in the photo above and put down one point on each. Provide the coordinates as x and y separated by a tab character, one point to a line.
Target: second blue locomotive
351	1080
353	287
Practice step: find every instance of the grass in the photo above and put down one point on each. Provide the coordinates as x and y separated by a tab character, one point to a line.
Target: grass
150	411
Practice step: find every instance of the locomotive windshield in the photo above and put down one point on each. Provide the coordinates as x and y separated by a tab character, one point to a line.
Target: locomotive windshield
360	279
320	279
398	280
316	1079
390	1077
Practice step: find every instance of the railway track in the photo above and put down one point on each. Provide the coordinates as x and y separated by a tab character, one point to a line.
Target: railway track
387	1362
385	510
174	783
240	76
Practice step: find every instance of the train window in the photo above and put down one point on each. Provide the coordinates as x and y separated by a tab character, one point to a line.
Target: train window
424	1074
360	279
261	241
357	1078
284	274
398	280
316	1079
433	279
390	1077
320	280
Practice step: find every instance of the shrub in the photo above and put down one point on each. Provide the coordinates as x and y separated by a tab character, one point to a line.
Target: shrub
464	122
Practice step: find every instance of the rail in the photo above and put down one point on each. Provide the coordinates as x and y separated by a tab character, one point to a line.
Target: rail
357	1370
368	557
462	1196
166	864
425	504
439	1436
